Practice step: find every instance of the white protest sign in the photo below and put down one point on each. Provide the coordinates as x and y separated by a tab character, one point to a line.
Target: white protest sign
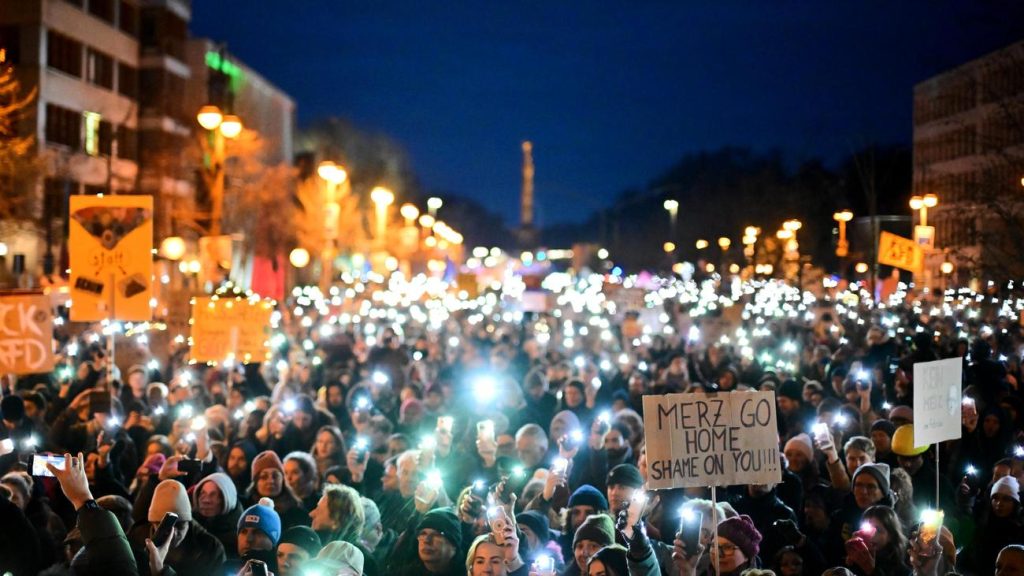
937	401
711	439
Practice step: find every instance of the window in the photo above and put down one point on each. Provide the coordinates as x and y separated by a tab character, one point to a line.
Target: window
63	53
10	45
63	126
127	144
91	133
55	197
100	69
76	3
127	80
128	19
102	9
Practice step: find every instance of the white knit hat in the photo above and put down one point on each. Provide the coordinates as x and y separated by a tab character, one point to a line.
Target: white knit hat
227	491
1008	486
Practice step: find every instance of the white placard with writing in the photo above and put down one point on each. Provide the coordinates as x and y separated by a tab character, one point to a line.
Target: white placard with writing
711	439
937	388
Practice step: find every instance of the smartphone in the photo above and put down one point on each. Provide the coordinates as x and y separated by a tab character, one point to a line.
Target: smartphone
498	521
257	568
190	465
6	446
362	448
689	529
572	440
544	566
479	489
485	430
39	462
99	402
163	531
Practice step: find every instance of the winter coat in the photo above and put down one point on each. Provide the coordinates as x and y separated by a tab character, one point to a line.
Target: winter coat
105	550
224	527
199	554
19	544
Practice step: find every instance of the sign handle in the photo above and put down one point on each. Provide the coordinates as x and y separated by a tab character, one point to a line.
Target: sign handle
111	335
937	446
714	539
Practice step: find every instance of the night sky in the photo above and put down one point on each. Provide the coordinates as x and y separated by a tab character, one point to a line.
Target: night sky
611	93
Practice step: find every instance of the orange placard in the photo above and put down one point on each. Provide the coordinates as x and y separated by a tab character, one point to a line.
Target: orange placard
230	328
900	252
26	334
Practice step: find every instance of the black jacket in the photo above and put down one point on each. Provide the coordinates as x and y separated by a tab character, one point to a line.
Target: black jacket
199	554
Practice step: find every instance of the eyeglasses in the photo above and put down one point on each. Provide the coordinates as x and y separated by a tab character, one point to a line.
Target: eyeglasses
429	536
727	549
866	487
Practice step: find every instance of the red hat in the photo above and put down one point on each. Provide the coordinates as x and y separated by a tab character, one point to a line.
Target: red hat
264	460
740	531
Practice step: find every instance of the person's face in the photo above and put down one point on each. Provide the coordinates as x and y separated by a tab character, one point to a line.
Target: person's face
596	568
758	490
251	539
532	541
999	471
730	557
488	559
866	491
237	462
797	460
210	500
619	494
90	466
289	558
302	420
573	396
578	514
816	517
882	442
396	446
582	553
1010	562
791	564
335	397
31	411
991	425
293	475
1002	505
787	405
614	442
530	450
407	477
433	547
911	463
559	427
880	539
389	481
321	516
536	391
270	482
854	459
137	381
325	444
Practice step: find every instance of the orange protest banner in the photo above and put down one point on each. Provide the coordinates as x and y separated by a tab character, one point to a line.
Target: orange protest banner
236	329
26	333
900	252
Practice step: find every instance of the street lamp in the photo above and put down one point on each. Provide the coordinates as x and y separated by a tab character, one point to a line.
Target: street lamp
946	267
382	198
173	248
702	244
842	217
433	205
673	210
724	243
334	175
218	127
409	212
669	247
299	257
923	234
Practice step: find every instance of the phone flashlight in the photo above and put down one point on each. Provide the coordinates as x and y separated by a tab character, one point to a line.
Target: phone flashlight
820	431
289	405
433	480
445	423
559	465
428	442
971	470
839	420
867	528
605	416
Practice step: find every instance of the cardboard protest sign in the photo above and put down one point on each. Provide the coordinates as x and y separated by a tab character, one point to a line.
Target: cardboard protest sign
110	245
937	389
230	329
26	333
900	252
711	439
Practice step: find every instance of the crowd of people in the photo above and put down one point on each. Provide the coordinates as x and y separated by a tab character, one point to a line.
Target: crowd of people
393	433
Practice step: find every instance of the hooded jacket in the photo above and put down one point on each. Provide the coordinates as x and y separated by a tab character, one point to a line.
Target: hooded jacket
199	554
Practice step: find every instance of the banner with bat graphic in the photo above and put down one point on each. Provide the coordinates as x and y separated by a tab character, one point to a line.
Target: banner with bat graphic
110	246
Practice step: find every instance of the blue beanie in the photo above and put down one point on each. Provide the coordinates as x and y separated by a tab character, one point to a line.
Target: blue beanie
587	495
262	517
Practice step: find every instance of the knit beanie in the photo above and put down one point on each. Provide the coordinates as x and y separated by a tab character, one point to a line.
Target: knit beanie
885	426
879	471
304	537
1008	486
154	462
597	528
264	460
262	517
801	442
740	531
587	495
791	389
537	523
170	496
625	475
614	559
338	555
227	491
444	521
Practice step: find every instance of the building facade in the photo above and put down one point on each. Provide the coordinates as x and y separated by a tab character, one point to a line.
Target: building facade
969	151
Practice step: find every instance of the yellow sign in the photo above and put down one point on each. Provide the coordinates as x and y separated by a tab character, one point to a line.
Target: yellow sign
26	333
900	252
231	328
110	246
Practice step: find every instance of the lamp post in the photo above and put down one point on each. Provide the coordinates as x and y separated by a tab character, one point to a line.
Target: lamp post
433	205
842	217
382	198
673	211
724	243
335	177
924	234
218	127
750	234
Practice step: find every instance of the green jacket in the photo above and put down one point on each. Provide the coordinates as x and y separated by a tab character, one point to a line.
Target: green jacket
105	550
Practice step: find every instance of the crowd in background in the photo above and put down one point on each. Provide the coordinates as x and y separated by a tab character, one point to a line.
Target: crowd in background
395	437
